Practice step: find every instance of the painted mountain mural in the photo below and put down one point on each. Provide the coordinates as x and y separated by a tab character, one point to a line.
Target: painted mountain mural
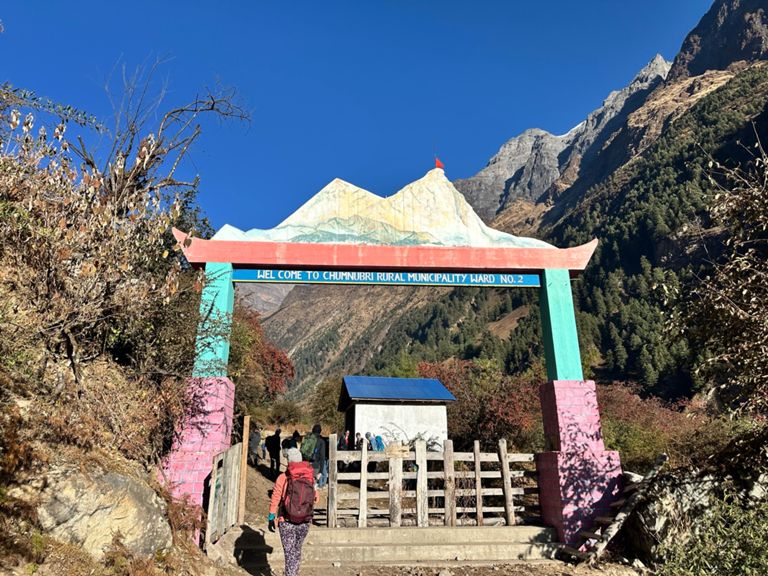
429	211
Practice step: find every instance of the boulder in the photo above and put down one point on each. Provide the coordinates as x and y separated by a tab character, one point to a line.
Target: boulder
90	509
660	517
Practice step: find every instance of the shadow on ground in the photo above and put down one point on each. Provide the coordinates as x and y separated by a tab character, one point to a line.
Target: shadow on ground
252	552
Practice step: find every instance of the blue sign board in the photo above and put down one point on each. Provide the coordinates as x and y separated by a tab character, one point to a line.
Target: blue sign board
391	278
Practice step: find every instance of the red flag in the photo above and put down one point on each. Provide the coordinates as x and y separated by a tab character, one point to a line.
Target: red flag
439	164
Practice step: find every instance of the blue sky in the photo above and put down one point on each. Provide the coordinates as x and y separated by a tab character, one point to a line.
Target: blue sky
366	91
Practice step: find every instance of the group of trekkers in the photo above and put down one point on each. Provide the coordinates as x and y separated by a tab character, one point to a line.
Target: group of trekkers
375	443
296	490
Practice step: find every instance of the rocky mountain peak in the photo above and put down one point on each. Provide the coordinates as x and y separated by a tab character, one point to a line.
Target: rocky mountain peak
526	166
731	31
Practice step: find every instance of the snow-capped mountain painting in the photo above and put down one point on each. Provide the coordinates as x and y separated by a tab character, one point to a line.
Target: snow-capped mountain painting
427	212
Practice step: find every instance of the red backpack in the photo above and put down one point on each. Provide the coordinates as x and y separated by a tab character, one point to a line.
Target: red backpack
299	497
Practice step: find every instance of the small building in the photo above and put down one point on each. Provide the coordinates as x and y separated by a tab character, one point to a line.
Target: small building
397	409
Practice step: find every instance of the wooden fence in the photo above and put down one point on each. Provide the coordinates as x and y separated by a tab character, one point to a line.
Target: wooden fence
424	487
226	500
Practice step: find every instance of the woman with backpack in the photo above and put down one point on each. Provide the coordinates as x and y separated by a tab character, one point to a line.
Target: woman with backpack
292	507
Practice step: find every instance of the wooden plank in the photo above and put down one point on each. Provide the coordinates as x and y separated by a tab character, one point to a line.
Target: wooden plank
243	471
395	491
615	526
370	495
464	456
507	482
348	476
349	455
422	515
362	519
355	455
486	509
488	457
450	484
355	476
211	525
225	492
233	485
333	481
520	457
478	484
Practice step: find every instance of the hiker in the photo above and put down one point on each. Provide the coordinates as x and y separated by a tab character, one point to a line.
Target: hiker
343	441
295	439
273	447
358	441
313	450
371	441
292	507
254	445
324	468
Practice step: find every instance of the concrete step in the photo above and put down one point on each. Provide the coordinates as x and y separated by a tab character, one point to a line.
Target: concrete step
397	546
407	535
431	535
411	554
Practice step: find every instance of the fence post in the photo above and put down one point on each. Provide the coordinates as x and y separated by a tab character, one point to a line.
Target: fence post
509	505
395	490
333	479
243	471
478	485
422	504
362	518
450	484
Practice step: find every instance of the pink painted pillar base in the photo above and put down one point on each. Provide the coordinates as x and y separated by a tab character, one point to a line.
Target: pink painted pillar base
203	436
579	478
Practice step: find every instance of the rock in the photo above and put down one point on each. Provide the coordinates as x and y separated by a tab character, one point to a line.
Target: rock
659	518
445	572
336	564
90	509
731	31
529	165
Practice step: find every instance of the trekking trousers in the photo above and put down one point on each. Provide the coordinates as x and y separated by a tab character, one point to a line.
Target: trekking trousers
292	536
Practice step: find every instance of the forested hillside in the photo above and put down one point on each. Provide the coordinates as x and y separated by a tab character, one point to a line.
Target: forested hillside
649	217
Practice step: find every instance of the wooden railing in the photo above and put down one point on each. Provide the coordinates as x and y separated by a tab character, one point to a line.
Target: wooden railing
450	488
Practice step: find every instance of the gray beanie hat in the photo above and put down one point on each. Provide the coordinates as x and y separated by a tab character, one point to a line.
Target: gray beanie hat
292	455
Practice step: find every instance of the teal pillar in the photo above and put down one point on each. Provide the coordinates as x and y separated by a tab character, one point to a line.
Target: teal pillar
215	324
558	323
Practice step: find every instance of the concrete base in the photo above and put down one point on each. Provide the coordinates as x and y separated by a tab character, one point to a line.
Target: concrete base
576	488
188	466
579	478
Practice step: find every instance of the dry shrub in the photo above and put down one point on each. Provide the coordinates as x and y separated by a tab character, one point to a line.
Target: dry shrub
120	562
112	411
490	405
185	518
642	428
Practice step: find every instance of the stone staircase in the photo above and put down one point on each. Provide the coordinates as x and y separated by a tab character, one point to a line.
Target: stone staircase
257	551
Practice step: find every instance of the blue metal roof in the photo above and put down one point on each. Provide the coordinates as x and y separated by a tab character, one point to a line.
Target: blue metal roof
386	388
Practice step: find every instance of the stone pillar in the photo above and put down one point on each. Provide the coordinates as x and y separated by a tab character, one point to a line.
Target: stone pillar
207	432
578	477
